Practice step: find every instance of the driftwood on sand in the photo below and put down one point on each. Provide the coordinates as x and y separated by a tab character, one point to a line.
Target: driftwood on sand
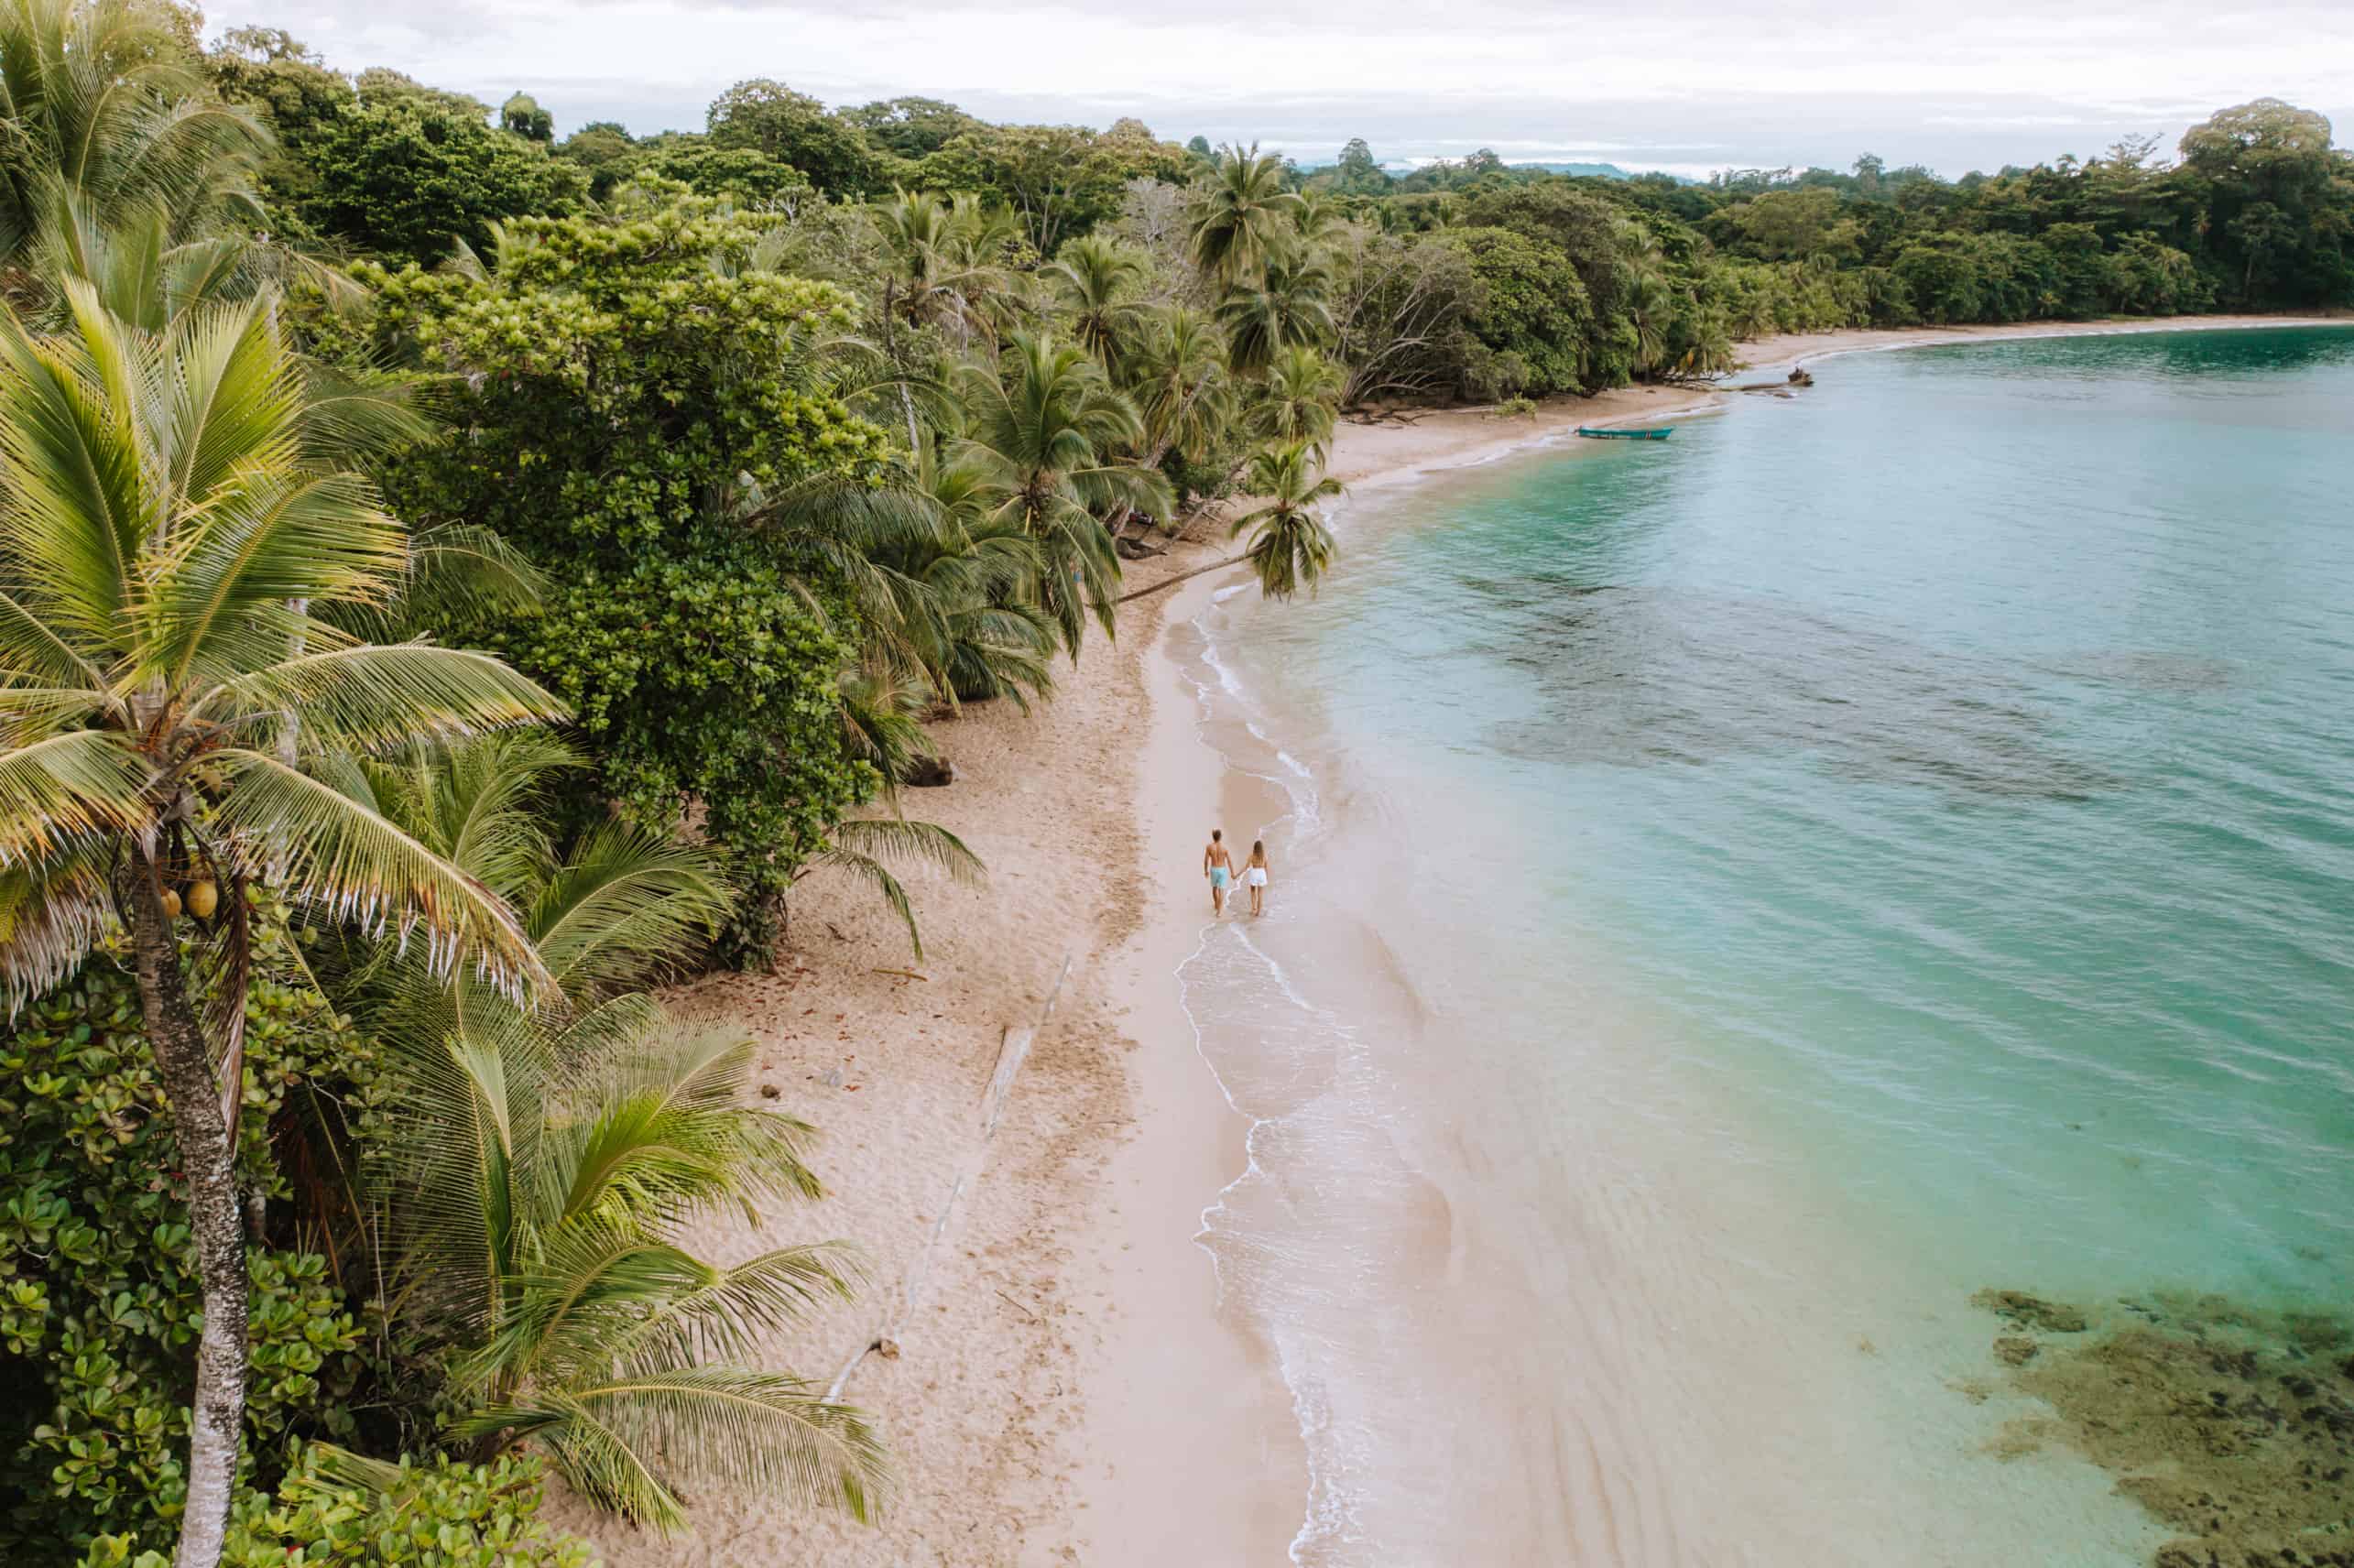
1013	1049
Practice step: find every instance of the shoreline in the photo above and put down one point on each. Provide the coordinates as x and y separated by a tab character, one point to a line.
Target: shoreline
1181	1504
1065	1388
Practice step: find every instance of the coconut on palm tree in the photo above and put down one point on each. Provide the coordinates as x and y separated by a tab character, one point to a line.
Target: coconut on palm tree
177	528
1290	546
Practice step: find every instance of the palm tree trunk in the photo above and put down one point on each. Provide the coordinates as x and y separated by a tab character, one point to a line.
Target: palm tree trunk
208	1163
1172	581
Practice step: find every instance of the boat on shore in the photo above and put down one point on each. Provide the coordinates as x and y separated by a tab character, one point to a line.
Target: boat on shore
1595	432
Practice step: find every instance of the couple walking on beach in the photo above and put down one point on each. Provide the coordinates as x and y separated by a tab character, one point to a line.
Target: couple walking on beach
1217	865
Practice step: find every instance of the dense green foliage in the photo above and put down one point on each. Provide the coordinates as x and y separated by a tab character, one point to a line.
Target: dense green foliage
97	1300
411	180
622	403
439	1514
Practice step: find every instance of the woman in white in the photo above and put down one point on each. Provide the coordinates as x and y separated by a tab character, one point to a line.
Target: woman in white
1254	876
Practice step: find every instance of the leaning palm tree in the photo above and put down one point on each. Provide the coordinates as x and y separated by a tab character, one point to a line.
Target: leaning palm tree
1242	213
1178	377
176	527
538	1178
1297	401
1290	546
1040	450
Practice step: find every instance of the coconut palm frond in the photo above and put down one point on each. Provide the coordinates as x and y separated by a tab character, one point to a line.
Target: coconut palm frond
337	855
754	1430
69	788
380	698
53	911
913	843
625	907
865	849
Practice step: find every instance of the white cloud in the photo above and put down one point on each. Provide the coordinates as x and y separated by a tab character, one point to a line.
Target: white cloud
1774	81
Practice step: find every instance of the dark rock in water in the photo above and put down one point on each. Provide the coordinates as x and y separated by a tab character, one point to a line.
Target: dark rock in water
931	773
2212	1415
2015	1350
2031	1312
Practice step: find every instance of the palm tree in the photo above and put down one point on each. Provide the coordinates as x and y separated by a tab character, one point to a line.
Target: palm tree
1094	276
1040	450
1298	400
940	266
1318	217
177	525
1287	302
109	117
541	1160
1243	214
1177	377
1650	310
1290	546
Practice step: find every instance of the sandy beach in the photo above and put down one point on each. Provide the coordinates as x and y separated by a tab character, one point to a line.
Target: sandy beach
1055	1378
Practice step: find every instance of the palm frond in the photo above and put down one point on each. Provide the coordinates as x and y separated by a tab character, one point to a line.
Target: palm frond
378	697
355	865
68	788
626	906
725	1426
53	911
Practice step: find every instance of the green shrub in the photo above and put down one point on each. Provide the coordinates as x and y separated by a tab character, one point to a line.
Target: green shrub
631	390
98	1296
440	1514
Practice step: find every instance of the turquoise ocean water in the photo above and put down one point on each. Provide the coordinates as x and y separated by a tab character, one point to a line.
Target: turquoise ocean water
1737	896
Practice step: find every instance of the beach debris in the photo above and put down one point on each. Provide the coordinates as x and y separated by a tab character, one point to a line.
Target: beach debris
1013	1049
836	931
769	1091
2015	1349
931	773
1800	377
905	974
2030	1312
832	1079
1018	1306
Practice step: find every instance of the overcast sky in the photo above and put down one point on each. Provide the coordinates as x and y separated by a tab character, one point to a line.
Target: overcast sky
1687	85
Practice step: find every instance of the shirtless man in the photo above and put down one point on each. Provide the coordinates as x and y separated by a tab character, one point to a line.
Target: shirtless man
1217	865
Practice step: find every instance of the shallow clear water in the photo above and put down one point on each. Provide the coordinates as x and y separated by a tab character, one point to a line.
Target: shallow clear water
1739	895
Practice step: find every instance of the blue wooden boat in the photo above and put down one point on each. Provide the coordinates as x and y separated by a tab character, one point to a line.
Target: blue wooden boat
1595	432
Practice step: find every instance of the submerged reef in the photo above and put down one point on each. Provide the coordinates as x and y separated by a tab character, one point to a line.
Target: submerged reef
2233	1425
